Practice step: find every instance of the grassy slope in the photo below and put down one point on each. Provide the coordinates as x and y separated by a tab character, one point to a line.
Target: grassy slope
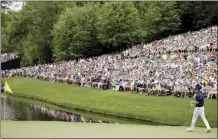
168	110
35	129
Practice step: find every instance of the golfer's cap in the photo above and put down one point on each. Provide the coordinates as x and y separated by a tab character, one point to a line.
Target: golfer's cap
197	87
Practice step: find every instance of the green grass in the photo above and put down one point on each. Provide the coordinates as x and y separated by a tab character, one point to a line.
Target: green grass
165	110
39	129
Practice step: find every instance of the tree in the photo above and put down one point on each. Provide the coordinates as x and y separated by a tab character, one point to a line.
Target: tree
3	32
6	19
47	31
158	19
75	33
197	14
31	30
119	24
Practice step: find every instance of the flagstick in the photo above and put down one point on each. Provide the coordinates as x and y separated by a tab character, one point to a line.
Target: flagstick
4	106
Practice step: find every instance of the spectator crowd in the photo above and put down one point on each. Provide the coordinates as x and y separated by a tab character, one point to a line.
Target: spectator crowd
203	40
171	66
8	56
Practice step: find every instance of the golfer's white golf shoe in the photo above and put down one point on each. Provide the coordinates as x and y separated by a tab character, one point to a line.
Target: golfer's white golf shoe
189	130
208	131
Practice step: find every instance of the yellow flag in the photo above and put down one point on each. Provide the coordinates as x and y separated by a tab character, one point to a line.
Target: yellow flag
7	88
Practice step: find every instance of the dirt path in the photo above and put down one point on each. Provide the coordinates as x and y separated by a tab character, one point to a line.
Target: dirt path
36	129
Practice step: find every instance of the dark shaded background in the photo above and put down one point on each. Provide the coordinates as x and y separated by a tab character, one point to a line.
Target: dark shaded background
12	64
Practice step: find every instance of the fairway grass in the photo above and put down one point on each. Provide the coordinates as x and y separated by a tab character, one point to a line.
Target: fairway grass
36	129
160	110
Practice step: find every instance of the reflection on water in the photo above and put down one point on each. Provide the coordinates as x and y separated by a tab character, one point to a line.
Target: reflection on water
20	110
65	116
10	113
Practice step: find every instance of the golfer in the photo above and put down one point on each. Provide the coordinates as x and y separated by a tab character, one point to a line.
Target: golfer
199	110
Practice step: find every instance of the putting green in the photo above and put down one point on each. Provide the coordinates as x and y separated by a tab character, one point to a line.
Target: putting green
39	129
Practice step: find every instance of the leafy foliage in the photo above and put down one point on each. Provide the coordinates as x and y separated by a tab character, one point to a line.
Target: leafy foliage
159	19
75	33
119	24
43	32
197	14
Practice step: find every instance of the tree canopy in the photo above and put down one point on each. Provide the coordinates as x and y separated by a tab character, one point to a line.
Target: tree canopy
43	32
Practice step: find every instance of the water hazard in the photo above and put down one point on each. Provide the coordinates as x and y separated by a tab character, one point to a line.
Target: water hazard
23	109
18	109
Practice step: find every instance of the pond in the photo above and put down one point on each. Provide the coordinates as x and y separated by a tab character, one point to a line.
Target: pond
23	109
